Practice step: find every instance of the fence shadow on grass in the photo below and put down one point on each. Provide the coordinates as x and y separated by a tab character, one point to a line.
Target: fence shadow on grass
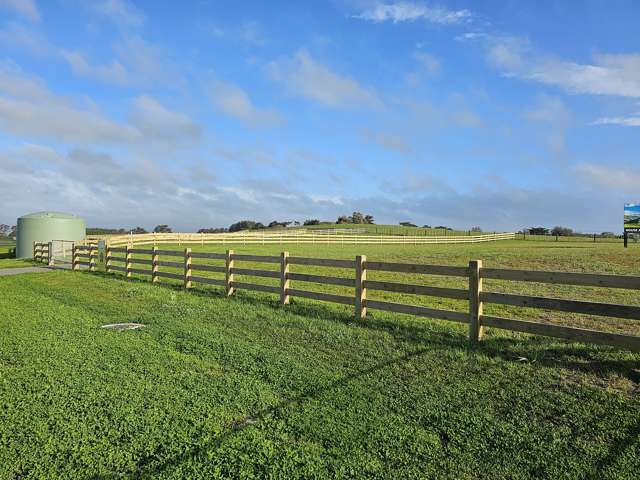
541	351
516	347
239	425
520	348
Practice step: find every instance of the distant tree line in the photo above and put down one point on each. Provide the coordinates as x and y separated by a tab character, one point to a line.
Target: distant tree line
439	227
114	231
559	231
7	231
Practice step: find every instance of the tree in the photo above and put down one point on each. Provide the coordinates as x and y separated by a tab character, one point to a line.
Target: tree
561	231
342	219
368	219
538	231
212	230
426	226
106	231
608	235
162	229
276	224
243	225
357	217
476	229
407	224
4	230
311	221
140	230
442	227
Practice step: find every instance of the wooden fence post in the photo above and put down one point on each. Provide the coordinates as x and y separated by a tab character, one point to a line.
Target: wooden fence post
50	254
107	258
284	278
361	291
75	266
92	258
475	304
154	265
127	264
187	268
228	276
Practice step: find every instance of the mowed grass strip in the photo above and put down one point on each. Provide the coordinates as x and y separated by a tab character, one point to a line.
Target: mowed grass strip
214	387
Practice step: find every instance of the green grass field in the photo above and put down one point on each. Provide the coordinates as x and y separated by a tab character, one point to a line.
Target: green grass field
8	260
217	387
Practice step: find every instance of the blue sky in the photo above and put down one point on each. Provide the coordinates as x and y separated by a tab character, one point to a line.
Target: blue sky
499	114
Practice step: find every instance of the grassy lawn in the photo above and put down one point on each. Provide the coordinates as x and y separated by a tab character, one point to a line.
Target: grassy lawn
8	260
244	388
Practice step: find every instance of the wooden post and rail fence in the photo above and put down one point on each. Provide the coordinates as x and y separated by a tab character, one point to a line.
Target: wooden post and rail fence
41	252
292	237
188	261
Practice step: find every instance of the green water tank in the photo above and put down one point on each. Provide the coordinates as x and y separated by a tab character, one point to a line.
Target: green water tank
46	227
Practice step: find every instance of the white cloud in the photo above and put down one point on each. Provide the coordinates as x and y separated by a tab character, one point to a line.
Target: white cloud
15	34
455	112
26	8
15	84
470	36
113	72
430	63
410	11
100	187
120	12
632	120
233	101
610	178
466	119
147	63
305	76
551	120
155	121
61	122
607	74
327	199
249	33
428	66
28	108
386	140
137	62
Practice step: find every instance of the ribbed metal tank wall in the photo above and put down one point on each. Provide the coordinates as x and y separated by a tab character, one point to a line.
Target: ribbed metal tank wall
45	227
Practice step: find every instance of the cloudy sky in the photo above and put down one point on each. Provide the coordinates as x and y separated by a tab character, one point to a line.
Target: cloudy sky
500	114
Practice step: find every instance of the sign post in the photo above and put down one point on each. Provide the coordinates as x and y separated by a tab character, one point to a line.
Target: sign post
631	220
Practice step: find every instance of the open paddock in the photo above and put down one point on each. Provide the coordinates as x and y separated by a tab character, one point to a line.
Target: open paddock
217	387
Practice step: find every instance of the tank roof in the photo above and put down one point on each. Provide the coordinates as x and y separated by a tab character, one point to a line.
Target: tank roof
61	215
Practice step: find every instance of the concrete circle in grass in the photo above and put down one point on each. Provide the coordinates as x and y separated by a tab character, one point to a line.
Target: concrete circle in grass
123	326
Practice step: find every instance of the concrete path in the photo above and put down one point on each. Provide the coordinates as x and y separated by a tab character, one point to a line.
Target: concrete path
17	271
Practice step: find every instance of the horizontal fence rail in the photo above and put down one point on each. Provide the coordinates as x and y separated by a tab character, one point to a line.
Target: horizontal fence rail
231	265
294	237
